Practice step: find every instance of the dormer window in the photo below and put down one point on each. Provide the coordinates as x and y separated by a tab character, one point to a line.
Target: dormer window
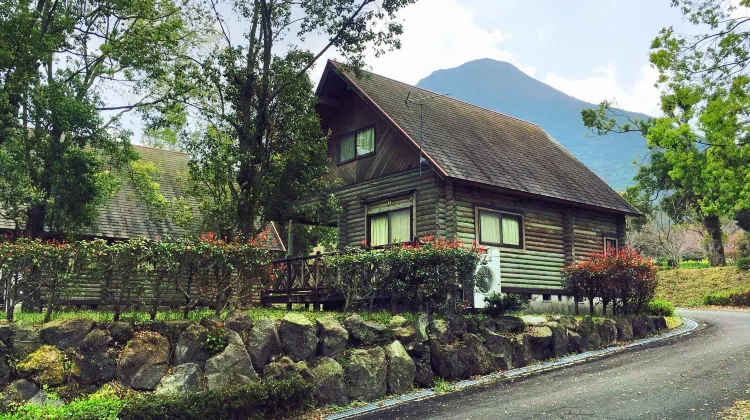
356	144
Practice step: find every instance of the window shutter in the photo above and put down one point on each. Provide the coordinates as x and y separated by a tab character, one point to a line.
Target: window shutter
489	226
379	230
365	141
400	225
511	231
347	148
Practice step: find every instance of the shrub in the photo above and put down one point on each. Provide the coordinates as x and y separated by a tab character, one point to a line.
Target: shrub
259	399
500	304
743	263
622	278
717	298
661	307
216	339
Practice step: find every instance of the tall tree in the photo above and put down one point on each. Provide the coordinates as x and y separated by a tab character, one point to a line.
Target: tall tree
259	146
700	149
68	71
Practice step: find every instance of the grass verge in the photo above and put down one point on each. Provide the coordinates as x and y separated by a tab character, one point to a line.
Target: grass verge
685	287
739	411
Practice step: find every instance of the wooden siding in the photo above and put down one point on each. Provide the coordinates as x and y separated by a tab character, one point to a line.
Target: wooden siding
354	201
538	264
589	230
393	153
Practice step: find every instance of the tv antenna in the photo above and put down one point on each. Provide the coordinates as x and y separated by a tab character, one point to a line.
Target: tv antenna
421	102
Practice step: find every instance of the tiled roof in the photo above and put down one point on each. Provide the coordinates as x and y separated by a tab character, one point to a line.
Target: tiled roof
124	216
471	143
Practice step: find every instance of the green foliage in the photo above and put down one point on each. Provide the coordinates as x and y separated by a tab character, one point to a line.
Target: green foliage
103	405
498	304
442	386
744	263
260	399
660	307
717	298
61	143
216	339
420	275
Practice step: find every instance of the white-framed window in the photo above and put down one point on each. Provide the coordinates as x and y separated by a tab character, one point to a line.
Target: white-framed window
389	227
356	144
500	228
610	245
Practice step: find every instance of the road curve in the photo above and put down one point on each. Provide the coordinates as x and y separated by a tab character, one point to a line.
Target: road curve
687	377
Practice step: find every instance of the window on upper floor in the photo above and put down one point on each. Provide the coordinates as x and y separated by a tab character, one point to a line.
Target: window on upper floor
500	229
356	144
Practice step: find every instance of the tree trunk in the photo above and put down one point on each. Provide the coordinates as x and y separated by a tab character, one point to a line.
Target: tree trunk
716	255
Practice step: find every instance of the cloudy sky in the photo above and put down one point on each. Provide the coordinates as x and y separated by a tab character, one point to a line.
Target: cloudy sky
590	49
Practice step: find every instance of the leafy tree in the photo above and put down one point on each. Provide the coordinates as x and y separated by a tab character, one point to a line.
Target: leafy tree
699	164
60	133
259	146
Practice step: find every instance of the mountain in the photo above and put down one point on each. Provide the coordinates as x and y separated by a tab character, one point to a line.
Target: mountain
502	87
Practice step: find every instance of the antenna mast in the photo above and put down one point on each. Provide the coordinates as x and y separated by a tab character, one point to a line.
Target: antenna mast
421	102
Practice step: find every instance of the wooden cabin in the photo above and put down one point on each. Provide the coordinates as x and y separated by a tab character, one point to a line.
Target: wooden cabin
412	162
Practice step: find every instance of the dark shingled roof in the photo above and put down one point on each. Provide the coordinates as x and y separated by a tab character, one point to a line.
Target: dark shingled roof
124	216
471	143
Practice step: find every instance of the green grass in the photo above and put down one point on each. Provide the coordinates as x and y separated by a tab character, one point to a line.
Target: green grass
441	385
685	287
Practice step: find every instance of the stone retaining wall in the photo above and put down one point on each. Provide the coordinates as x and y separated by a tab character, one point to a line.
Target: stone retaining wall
350	360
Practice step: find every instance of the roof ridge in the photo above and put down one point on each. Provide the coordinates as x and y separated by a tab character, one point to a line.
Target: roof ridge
336	64
143	146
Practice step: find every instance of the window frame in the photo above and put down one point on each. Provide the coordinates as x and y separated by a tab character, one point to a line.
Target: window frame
354	133
606	238
501	213
370	216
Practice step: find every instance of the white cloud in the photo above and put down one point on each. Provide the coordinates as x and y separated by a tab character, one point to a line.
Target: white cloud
603	84
540	33
438	34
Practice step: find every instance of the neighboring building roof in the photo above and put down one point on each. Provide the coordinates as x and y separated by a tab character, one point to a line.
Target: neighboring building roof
124	216
471	143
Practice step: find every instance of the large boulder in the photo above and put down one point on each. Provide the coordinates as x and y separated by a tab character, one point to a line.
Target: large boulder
66	333
659	322
521	350
478	358
438	332
91	368
6	331
263	343
534	320
330	385
190	347
608	331
540	340
365	333
25	340
501	347
298	337
624	329
448	361
22	391
180	380
239	322
44	366
332	337
121	332
423	374
569	322
560	341
285	369
589	331
95	342
5	370
397	322
510	324
233	366
575	343
144	361
170	329
640	327
366	374
401	368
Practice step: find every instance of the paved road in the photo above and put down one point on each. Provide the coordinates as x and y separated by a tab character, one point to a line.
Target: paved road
689	377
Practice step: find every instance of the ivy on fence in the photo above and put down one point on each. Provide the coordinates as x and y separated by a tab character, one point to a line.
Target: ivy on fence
137	272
